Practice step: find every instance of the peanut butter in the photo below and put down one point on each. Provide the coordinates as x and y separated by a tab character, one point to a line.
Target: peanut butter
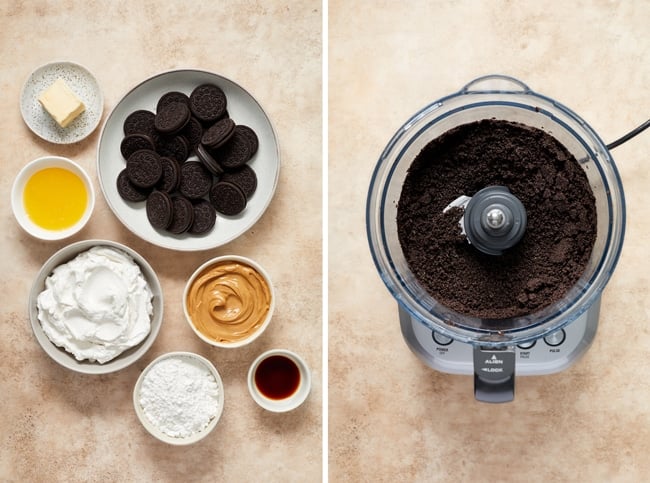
228	301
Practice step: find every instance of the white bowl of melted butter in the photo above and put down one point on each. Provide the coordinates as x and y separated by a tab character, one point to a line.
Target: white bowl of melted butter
52	198
96	306
229	301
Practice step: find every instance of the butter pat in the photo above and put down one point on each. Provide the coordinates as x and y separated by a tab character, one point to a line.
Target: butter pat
61	103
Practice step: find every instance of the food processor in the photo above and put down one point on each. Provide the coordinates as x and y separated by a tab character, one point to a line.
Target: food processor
493	351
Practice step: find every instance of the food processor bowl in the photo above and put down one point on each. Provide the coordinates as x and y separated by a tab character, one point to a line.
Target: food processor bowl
502	98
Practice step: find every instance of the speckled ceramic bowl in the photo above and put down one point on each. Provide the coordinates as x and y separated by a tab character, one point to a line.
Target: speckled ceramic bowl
151	426
65	358
81	82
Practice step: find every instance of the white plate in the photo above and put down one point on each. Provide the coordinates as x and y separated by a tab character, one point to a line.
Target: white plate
243	109
81	82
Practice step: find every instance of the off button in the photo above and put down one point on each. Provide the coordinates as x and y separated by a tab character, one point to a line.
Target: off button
556	338
441	339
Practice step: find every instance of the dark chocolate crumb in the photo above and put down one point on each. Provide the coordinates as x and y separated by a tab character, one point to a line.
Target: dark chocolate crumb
546	178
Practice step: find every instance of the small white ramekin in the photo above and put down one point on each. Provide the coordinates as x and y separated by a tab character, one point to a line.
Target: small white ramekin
18	205
294	400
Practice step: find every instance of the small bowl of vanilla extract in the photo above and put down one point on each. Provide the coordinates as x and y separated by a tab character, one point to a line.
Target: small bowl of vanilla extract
279	380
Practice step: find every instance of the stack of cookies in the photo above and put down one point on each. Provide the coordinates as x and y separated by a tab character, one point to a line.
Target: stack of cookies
181	194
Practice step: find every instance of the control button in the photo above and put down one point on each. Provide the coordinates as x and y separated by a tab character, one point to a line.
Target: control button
556	338
527	345
441	339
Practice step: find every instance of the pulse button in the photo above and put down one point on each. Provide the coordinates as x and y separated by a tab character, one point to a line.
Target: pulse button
441	339
556	338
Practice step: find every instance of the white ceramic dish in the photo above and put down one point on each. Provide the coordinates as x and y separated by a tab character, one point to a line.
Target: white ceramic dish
81	82
243	109
64	358
18	206
291	402
152	428
269	315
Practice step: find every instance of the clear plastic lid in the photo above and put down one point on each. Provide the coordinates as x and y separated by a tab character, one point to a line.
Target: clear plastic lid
503	98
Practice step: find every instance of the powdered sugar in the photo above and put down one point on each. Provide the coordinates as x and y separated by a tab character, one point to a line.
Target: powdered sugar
180	396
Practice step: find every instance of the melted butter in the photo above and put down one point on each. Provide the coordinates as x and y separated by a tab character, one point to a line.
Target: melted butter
55	198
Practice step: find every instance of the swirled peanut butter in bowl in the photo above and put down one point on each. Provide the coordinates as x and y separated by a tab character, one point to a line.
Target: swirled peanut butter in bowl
229	301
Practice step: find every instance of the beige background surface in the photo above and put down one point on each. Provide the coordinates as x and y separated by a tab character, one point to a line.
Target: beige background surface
391	418
56	425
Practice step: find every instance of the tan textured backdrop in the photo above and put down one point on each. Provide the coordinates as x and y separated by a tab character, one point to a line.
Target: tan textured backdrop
61	426
390	417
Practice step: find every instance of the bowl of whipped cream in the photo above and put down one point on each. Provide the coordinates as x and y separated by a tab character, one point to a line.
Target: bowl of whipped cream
96	306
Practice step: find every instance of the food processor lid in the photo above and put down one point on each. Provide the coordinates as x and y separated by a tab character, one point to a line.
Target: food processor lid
503	97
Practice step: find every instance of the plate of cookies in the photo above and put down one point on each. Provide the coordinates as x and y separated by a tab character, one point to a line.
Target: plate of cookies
188	160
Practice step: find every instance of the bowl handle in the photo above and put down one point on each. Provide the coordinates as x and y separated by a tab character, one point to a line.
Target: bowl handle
494	374
495	83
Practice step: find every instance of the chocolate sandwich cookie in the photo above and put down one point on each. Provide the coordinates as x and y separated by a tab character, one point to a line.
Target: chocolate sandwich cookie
127	190
135	142
208	160
195	180
235	153
171	175
227	198
175	147
250	136
208	103
144	168
172	118
159	209
245	178
140	122
173	96
182	215
205	217
193	132
217	134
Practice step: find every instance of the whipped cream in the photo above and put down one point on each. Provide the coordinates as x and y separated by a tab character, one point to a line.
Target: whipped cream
97	305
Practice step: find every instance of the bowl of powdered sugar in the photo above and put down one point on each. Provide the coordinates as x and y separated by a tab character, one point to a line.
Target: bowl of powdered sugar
179	398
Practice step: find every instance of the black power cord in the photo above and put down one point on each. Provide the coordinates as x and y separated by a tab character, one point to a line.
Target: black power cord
629	135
